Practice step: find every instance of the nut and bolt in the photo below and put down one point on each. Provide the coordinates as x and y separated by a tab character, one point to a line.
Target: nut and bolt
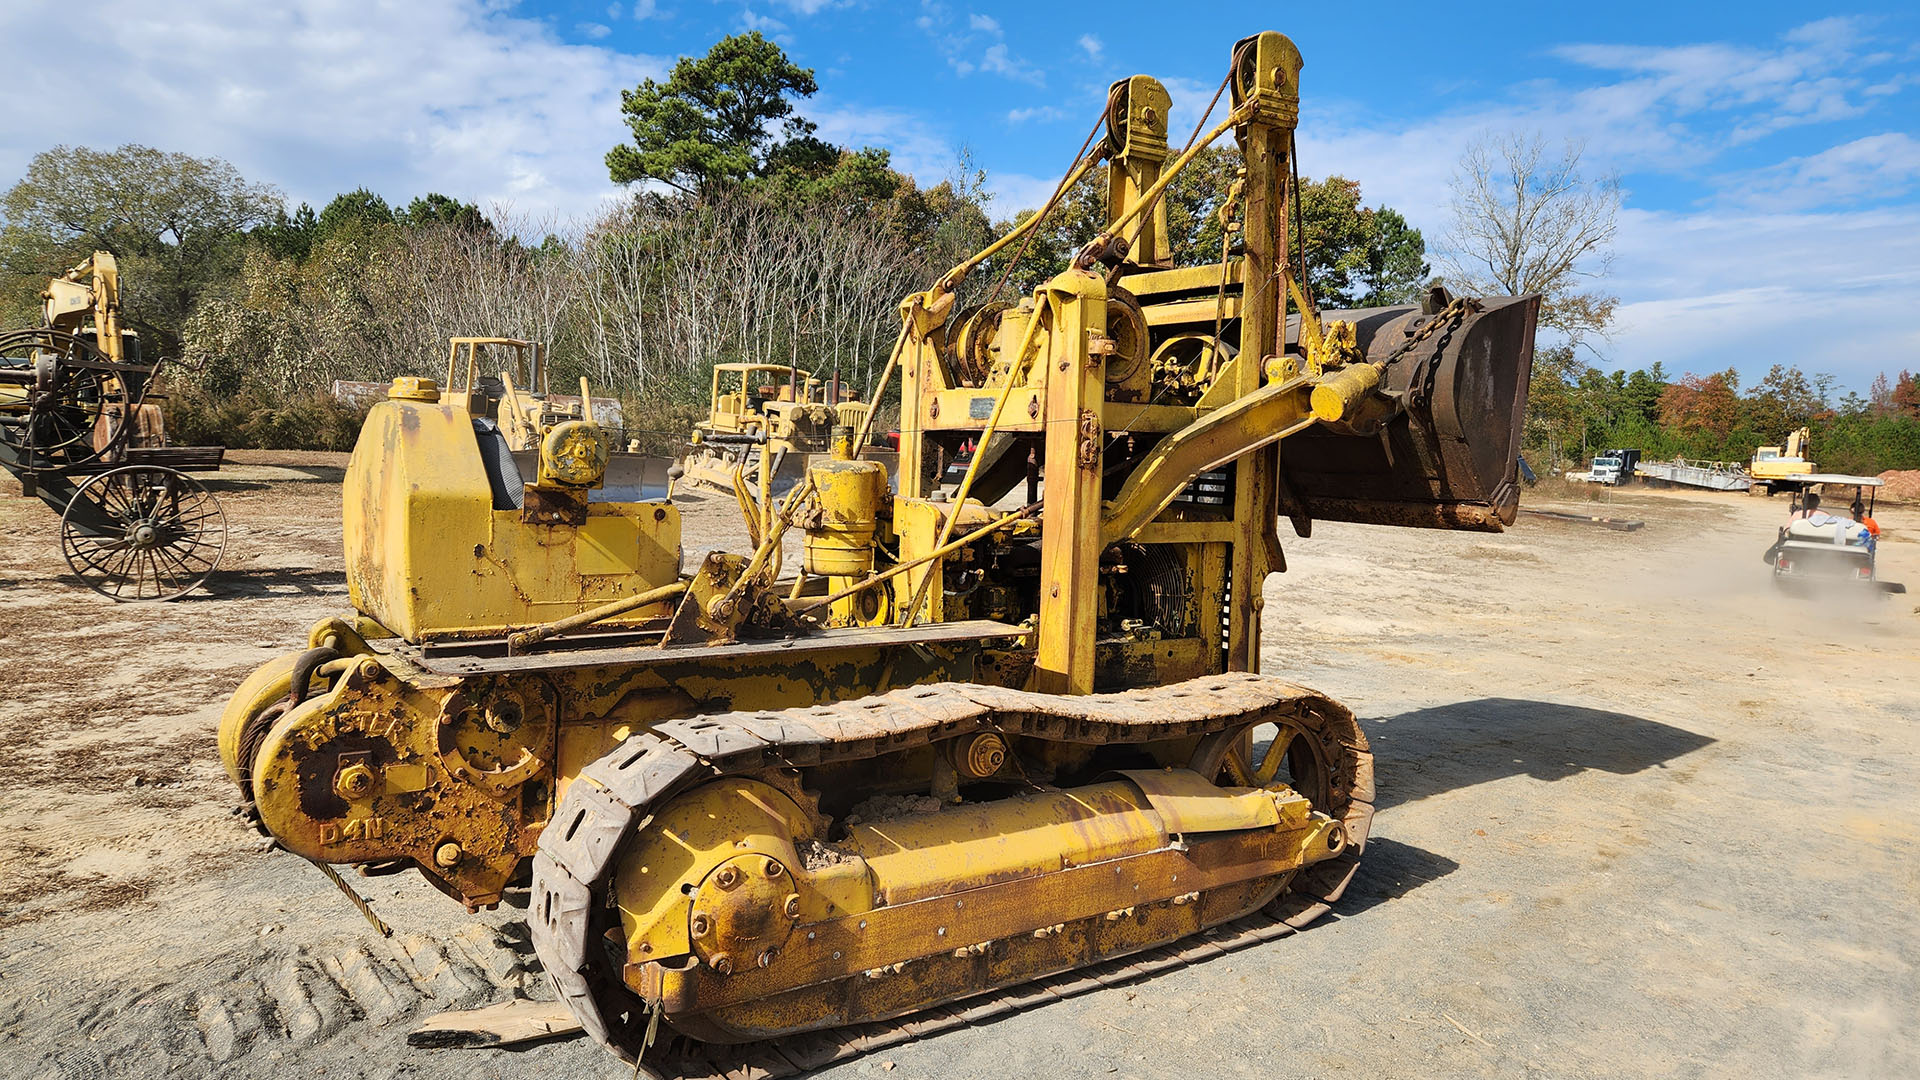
792	907
721	963
774	869
727	878
767	957
701	924
354	781
447	856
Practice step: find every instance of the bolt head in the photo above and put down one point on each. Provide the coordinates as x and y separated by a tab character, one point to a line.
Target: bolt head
774	869
792	906
354	782
447	856
766	958
701	924
721	963
727	878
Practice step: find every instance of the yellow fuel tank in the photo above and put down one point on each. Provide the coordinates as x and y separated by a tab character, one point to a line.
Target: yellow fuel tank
444	540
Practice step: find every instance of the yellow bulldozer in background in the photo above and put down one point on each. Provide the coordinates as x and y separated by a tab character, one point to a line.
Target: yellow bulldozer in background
775	412
525	410
959	746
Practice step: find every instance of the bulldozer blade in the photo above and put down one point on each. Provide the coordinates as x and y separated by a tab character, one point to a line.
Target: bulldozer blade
705	471
629	477
1449	458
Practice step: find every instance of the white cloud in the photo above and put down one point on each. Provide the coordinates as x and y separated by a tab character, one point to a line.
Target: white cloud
957	46
1189	97
1869	169
1014	192
1710	290
998	61
915	148
751	20
1816	75
644	10
1045	114
1091	46
323	96
596	31
1787	263
810	7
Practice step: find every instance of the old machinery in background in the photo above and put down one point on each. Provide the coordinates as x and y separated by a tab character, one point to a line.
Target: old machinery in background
772	413
79	430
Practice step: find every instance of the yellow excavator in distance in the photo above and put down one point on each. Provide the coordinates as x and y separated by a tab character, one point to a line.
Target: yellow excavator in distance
961	746
1782	467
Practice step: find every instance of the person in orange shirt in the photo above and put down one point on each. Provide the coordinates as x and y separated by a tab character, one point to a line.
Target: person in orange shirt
1860	517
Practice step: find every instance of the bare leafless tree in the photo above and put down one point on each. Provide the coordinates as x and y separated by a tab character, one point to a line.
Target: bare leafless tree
1527	220
644	301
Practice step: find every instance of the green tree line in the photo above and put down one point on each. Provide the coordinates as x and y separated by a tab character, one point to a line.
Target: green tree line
1575	410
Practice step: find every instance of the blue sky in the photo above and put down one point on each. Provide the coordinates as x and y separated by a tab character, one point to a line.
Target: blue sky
1770	153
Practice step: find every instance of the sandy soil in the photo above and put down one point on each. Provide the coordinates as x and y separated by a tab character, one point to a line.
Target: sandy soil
1641	816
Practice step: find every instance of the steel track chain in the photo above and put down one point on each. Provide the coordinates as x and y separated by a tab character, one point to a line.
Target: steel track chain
617	795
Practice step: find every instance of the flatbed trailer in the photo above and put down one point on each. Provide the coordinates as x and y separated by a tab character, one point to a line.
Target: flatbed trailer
1712	475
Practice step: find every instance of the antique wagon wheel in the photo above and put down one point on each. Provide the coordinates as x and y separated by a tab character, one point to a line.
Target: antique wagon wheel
53	396
143	532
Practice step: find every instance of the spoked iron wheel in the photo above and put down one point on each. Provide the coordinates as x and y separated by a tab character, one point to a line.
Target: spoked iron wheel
51	401
143	532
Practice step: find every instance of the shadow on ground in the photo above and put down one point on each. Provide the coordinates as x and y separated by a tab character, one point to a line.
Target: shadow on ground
282	474
1431	751
269	581
1389	870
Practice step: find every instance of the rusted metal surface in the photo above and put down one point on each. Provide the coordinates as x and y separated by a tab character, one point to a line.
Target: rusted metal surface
1449	459
901	957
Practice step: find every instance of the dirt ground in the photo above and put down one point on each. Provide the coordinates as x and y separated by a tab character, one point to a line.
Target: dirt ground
1641	816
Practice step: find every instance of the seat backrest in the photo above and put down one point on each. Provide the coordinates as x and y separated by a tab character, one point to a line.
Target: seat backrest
1826	527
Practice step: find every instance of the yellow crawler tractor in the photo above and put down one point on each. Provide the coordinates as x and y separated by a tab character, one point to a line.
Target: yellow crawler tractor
772	413
957	749
524	410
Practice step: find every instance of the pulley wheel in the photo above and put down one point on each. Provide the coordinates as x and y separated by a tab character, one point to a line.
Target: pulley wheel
970	341
143	532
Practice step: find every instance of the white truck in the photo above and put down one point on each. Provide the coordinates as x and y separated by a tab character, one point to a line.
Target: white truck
1605	470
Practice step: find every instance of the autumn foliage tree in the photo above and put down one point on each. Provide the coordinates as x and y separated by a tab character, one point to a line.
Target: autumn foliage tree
1904	398
1702	406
